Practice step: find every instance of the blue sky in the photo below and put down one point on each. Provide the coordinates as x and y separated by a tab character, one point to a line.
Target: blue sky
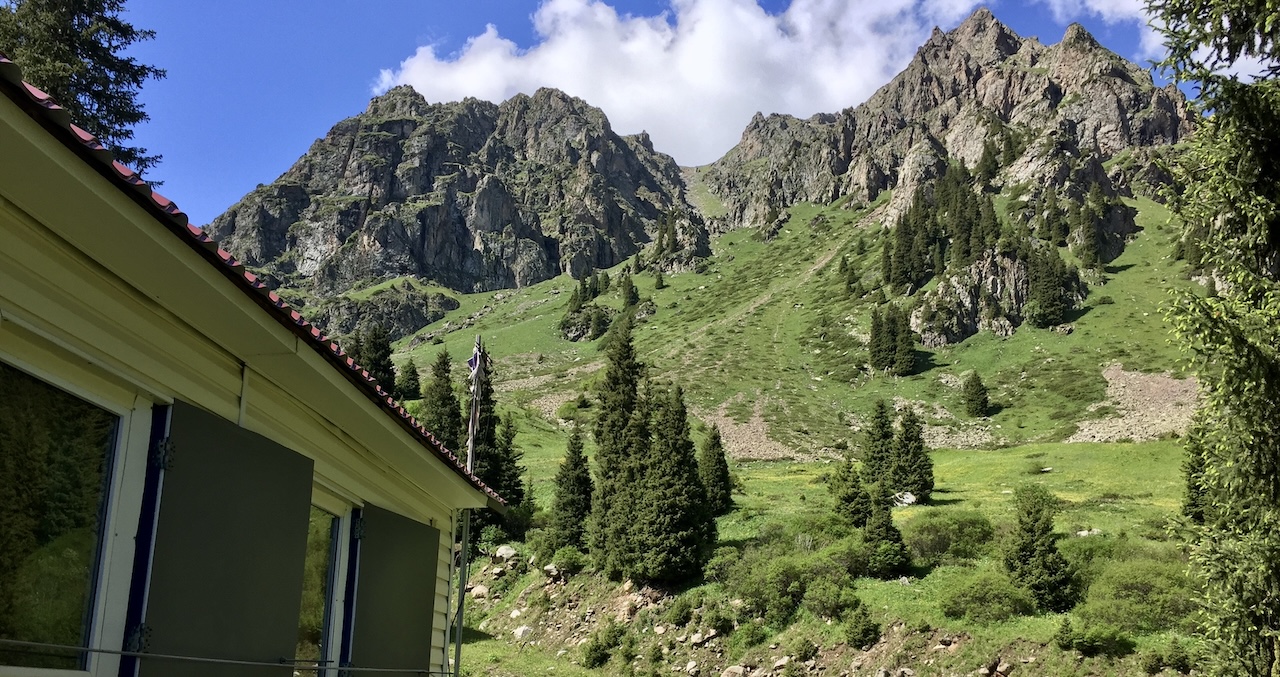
252	84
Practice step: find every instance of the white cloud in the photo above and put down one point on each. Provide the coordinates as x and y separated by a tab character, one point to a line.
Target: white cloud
693	76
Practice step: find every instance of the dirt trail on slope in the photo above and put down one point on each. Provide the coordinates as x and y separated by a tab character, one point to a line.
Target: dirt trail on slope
1147	406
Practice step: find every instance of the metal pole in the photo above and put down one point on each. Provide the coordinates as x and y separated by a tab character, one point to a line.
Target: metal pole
478	372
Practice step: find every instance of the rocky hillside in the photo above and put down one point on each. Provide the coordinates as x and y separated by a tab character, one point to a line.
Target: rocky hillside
471	195
1054	114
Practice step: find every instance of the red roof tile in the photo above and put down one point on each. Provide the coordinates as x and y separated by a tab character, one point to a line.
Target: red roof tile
41	107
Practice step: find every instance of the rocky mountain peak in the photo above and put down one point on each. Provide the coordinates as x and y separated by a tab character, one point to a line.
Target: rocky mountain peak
401	101
980	83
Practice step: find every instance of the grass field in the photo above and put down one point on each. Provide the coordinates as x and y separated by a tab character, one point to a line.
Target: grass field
768	330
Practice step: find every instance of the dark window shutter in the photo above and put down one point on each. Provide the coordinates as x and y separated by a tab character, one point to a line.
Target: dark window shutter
229	545
395	592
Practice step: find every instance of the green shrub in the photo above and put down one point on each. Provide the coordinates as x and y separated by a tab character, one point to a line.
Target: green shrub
887	560
594	655
804	650
937	536
1065	637
1151	662
1103	640
1139	596
851	554
720	565
859	630
746	636
1177	658
988	597
596	652
680	612
570	560
827	598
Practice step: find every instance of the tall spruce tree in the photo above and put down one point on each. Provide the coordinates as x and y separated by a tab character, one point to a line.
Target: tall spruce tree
1226	193
878	452
441	409
911	468
674	531
77	53
571	506
888	556
852	500
1033	559
408	384
713	469
376	351
622	441
904	345
976	402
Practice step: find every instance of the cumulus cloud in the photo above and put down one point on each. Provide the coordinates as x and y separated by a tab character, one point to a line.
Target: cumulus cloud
694	75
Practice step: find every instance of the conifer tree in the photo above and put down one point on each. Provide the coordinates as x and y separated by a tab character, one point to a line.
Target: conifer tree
571	506
1033	559
658	281
77	52
605	282
1195	496
889	556
1226	193
630	295
987	165
497	460
878	453
975	395
911	468
408	385
674	531
441	409
622	439
376	350
904	349
852	499
713	469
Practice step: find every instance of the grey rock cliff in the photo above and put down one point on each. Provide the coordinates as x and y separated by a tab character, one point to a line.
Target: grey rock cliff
471	195
976	83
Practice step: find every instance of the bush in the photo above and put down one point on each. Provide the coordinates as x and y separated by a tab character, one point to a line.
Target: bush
1177	658
1139	596
804	650
1103	640
851	554
828	598
680	613
597	651
987	598
594	655
746	636
720	565
859	630
887	560
569	560
1151	663
939	536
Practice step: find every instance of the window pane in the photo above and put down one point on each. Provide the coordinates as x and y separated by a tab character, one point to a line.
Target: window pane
317	589
54	451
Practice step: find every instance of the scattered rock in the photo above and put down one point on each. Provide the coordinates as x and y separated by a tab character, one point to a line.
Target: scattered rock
522	631
480	592
504	553
659	629
691	668
696	639
515	613
734	671
781	663
1004	668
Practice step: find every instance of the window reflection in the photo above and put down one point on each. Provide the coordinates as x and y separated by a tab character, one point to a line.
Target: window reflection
316	588
54	454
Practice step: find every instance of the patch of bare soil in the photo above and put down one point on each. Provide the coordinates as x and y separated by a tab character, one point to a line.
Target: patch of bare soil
1147	406
535	382
548	404
746	440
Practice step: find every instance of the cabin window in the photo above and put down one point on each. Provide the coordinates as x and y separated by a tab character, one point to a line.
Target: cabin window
55	458
317	589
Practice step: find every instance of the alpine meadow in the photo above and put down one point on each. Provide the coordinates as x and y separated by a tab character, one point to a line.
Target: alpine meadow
977	377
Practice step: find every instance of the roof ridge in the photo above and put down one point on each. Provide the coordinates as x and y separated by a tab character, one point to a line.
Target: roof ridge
167	211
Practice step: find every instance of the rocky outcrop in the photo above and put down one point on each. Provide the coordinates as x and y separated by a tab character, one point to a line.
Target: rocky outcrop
988	296
979	83
471	195
400	308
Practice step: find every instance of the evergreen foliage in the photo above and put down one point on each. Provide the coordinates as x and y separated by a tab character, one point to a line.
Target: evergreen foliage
375	355
988	165
888	554
1226	193
878	453
497	462
852	500
674	530
1195	497
1049	284
910	468
630	295
571	506
441	409
76	52
658	281
974	390
620	444
1033	559
893	344
408	385
713	468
